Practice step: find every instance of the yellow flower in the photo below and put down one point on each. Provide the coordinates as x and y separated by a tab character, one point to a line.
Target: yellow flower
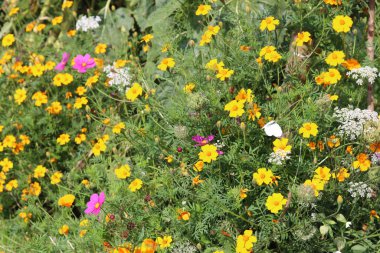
63	139
243	193
166	63
40	27
37	69
236	108
263	176
254	112
82	233
214	65
71	33
55	108
67	4
134	92
120	63
189	87
315	184
208	153
273	57
8	40
118	127
269	23
342	23
308	129
281	144
64	230
198	166
335	58
322	173
183	215
164	242
20	96
9	141
56	177
302	37
267	50
244	242
13	11
245	95
13	184
147	38
123	172
332	76
275	202
206	39
333	97
203	9
84	223
213	30
80	90
57	20
40	98
333	2
39	171
92	80
79	102
135	185
6	165
66	200
362	162
333	142
224	73
342	174
101	48
197	180
99	147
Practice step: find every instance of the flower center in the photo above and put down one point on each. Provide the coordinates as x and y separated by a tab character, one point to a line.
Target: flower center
235	108
208	153
276	203
342	22
84	64
97	205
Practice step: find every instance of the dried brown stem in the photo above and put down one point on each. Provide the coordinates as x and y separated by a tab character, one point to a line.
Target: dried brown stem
371	50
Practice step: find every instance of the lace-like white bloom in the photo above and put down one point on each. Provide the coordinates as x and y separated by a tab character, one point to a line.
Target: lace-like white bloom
375	159
85	23
360	189
279	157
185	247
118	77
363	73
352	121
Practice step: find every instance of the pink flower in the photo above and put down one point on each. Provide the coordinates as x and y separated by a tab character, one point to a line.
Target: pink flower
82	63
65	58
95	203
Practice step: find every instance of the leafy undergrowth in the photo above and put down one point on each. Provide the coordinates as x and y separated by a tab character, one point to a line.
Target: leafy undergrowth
188	126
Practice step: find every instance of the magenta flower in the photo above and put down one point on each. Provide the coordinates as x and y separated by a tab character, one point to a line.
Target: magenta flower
82	63
95	203
202	140
65	58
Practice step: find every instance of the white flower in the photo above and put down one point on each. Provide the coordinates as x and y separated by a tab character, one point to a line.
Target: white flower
360	189
279	157
363	73
85	23
352	121
118	77
348	224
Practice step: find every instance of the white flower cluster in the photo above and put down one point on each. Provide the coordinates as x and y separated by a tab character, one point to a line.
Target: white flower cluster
360	189
375	159
279	157
352	121
363	73
184	248
118	77
85	23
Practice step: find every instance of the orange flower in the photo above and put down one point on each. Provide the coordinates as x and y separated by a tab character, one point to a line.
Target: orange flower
362	162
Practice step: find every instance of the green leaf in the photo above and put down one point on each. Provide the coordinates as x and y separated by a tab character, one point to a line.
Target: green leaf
358	248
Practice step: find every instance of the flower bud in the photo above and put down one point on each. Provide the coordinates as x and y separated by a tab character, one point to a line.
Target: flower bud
339	200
